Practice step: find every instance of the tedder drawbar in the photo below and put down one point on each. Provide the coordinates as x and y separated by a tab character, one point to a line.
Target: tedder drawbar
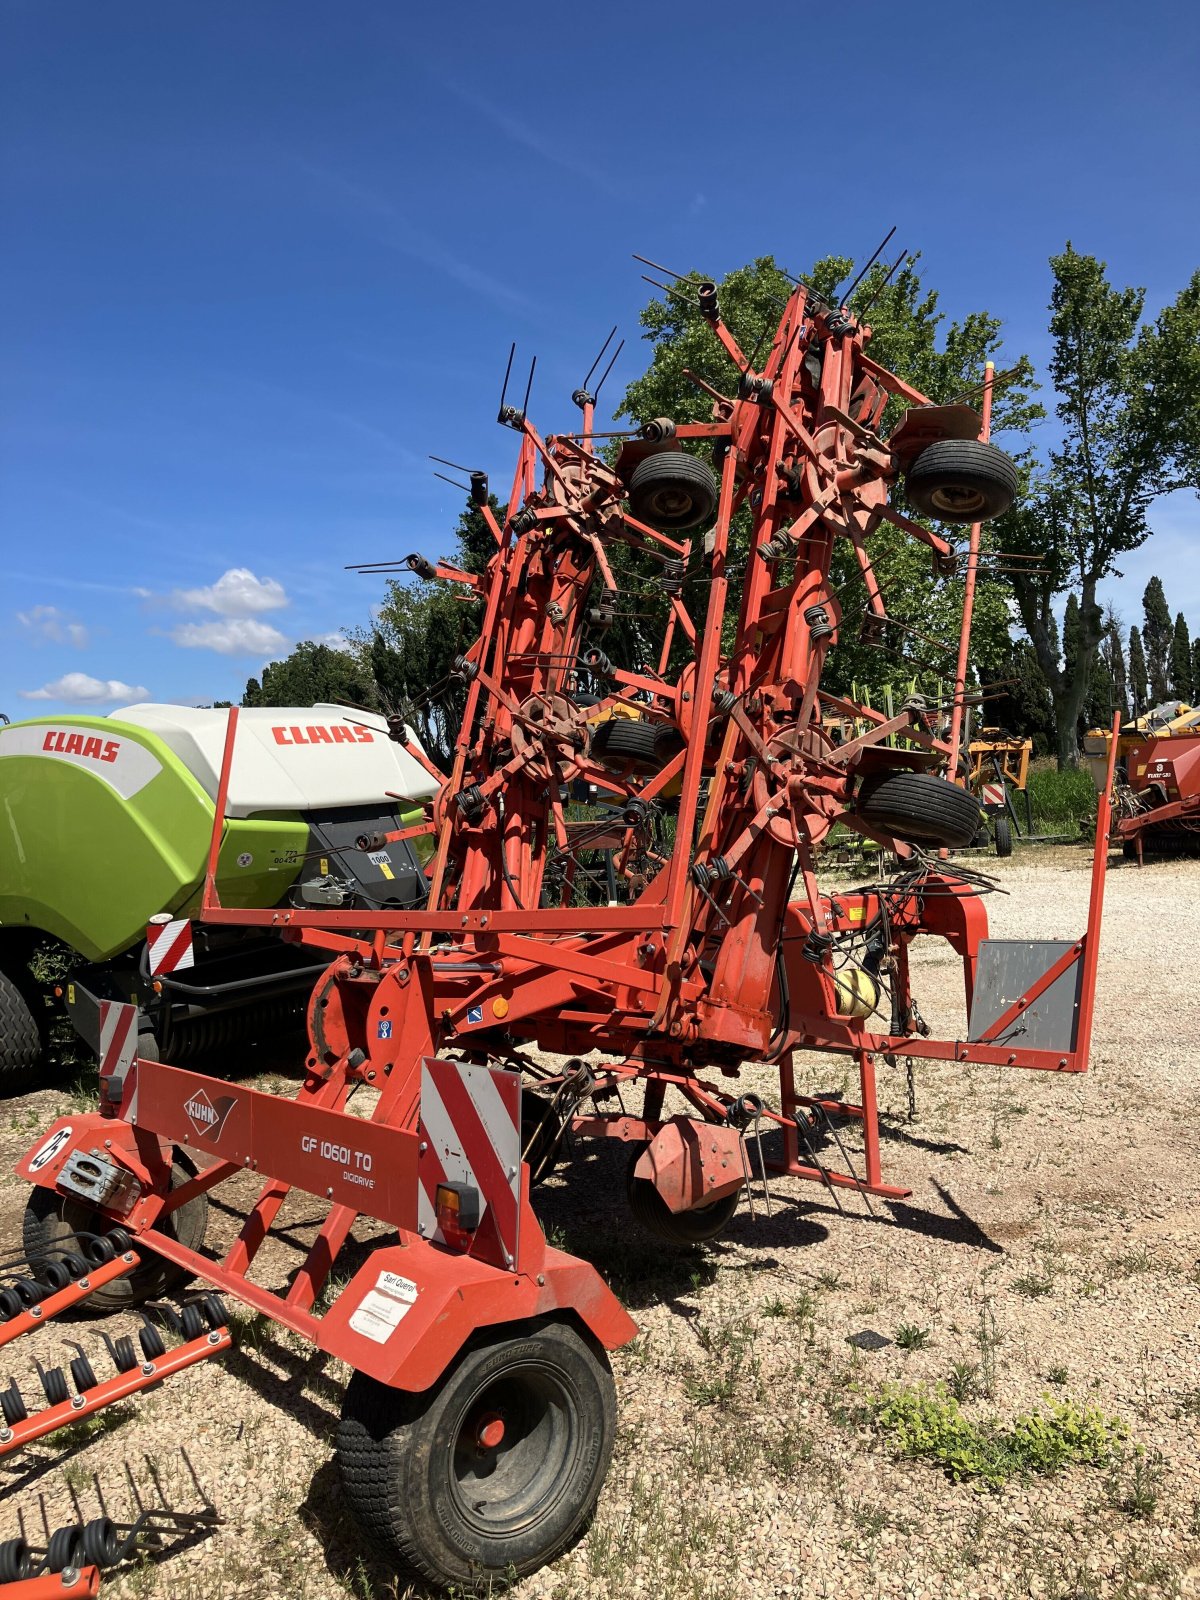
478	1425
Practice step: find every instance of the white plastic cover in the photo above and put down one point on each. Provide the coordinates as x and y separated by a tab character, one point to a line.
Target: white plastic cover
307	758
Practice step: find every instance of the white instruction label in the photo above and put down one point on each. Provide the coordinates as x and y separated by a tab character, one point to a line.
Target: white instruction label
384	1307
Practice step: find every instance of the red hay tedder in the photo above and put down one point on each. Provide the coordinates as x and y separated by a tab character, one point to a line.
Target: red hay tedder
479	1422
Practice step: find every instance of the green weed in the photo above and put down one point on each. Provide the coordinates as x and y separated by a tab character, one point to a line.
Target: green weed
930	1425
911	1337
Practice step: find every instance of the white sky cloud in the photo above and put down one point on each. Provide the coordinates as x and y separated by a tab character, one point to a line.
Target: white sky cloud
78	688
48	622
236	593
234	636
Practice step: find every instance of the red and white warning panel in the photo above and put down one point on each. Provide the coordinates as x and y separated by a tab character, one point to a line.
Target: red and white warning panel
992	794
469	1159
118	1050
169	943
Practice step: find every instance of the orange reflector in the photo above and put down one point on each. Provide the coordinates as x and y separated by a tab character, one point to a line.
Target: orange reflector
457	1212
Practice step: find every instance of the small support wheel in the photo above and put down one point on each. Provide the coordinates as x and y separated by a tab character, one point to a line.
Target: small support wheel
1002	828
496	1469
698	1226
962	480
918	807
52	1222
672	491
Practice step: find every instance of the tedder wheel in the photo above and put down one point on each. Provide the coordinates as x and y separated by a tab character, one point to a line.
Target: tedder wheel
962	480
52	1222
649	1208
21	1042
919	807
1004	836
648	746
672	490
494	1470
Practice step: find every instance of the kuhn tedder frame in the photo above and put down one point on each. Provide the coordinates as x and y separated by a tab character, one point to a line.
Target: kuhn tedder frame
479	1424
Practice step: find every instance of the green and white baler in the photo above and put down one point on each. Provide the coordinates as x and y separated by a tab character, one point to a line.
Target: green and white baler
107	822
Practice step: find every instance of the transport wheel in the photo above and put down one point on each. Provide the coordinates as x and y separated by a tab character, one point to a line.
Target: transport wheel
962	480
647	746
918	807
52	1222
649	1208
21	1042
1004	836
496	1469
673	490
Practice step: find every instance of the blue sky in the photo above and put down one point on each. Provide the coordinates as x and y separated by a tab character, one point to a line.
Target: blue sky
260	260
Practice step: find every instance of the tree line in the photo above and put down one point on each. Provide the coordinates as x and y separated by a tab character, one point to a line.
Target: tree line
1122	430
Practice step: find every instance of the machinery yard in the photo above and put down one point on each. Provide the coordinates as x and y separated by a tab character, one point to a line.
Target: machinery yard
1047	1253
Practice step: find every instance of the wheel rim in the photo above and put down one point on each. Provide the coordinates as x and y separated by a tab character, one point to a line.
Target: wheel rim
513	1447
672	503
958	498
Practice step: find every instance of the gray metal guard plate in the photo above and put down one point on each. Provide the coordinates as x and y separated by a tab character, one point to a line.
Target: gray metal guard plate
1006	969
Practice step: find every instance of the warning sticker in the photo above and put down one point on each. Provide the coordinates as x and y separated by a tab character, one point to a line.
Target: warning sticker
384	1307
50	1149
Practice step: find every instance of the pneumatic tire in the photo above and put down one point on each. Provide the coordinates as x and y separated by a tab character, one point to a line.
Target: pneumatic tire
673	491
1004	836
495	1470
962	480
52	1223
646	746
679	1228
21	1040
920	808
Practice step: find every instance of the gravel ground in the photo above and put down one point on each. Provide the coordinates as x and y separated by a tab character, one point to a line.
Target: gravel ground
1049	1248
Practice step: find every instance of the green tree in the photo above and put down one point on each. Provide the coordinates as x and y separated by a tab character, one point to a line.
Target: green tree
1182	687
1196	664
911	336
1157	636
1113	653
1139	683
1128	403
314	672
1024	706
420	627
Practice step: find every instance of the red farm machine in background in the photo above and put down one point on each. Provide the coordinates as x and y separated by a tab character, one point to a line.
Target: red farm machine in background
479	1423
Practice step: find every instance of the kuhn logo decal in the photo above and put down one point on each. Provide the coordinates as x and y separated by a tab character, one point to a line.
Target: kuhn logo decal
338	733
209	1117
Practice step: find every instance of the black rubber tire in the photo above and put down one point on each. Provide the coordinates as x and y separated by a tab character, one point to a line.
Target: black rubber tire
919	807
52	1222
1002	828
21	1041
962	480
698	1226
646	746
449	1510
672	490
16	1562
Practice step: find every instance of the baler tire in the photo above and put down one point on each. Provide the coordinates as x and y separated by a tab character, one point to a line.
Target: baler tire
409	1461
1004	836
961	481
919	807
680	1228
52	1222
21	1041
672	491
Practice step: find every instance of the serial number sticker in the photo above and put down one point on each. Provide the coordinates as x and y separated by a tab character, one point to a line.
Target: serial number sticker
384	1307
